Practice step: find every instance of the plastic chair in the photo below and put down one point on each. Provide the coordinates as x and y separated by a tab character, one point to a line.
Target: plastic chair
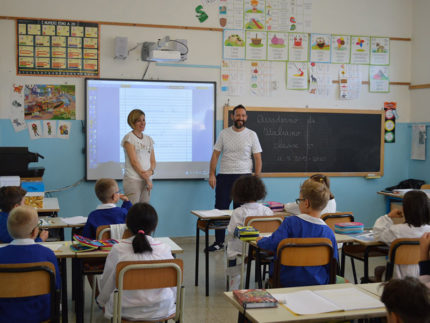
405	251
425	187
302	252
134	275
30	279
339	217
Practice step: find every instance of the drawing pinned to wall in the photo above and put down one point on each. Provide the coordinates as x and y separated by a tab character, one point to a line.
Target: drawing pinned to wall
35	129
379	80
418	142
63	129
380	51
233	77
16	107
234	44
320	48
256	45
45	102
360	50
231	14
298	47
277	49
349	82
297	76
49	129
319	79
254	14
340	49
260	78
201	14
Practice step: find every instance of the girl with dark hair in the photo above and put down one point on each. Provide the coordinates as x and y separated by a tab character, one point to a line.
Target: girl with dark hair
150	304
417	221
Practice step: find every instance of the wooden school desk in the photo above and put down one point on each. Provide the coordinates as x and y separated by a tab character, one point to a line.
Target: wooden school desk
58	223
97	254
282	314
206	223
392	200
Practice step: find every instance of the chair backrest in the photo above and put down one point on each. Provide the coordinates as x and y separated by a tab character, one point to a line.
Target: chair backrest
425	187
149	274
103	232
339	217
405	251
265	223
30	279
302	252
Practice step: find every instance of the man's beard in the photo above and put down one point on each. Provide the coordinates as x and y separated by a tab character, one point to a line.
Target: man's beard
239	125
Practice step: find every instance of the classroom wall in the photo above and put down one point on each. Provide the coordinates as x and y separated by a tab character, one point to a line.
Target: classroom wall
64	160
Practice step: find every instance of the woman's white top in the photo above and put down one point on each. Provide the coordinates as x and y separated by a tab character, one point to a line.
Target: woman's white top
293	207
137	304
386	231
143	148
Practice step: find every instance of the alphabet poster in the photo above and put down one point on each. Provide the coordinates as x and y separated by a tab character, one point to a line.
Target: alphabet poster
360	50
297	76
380	51
340	49
320	48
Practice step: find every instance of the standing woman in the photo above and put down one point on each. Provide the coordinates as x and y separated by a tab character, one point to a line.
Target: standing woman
139	159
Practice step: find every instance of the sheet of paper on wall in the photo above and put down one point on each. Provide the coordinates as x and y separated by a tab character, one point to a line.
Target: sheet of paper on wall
34	129
233	77
16	108
260	79
419	138
319	79
297	76
63	129
49	129
379	79
349	82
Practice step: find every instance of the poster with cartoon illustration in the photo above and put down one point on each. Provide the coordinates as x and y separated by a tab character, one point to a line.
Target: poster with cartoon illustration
379	80
340	49
256	45
319	79
233	81
260	78
379	50
297	76
63	129
35	129
16	107
360	50
288	15
231	14
49	102
233	44
298	47
349	82
49	129
320	48
254	12
277	46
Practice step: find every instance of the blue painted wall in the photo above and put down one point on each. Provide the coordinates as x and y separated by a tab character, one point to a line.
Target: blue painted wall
65	164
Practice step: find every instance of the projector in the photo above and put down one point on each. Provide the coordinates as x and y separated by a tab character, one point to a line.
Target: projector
151	52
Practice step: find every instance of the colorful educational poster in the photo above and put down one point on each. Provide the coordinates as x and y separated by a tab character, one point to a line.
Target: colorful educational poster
288	15
379	80
231	14
340	49
35	129
319	79
277	48
256	45
298	47
233	44
41	42
379	50
260	78
349	82
297	76
360	50
320	48
233	77
63	129
16	107
254	14
49	129
46	102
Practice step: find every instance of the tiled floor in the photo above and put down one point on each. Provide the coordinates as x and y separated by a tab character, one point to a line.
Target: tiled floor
198	307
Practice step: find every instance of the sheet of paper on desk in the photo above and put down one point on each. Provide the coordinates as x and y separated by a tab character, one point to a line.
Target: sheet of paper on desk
214	212
350	298
298	303
53	246
75	220
366	236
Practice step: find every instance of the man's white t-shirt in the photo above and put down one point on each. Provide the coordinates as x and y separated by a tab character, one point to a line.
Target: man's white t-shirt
237	147
143	148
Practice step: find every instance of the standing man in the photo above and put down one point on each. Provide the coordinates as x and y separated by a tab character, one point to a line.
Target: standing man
237	144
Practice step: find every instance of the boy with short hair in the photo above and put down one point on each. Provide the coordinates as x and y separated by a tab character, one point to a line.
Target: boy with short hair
407	301
108	193
22	225
313	198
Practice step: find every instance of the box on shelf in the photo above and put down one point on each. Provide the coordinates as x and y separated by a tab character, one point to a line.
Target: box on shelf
35	194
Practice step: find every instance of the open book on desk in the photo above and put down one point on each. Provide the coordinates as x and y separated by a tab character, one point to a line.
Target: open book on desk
328	300
366	236
214	213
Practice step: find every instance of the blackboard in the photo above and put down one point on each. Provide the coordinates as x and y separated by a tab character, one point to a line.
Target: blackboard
300	142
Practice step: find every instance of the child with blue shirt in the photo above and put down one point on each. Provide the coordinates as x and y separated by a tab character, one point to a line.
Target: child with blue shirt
10	198
22	224
107	192
313	198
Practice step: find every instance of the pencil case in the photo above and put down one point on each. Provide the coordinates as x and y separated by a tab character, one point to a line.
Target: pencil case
349	227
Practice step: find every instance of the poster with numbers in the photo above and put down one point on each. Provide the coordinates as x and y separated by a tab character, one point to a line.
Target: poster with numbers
57	48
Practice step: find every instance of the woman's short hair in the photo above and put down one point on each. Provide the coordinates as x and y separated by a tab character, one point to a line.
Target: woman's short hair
248	188
133	116
416	208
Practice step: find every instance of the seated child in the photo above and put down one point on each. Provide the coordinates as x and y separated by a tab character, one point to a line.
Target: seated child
248	190
22	224
107	213
11	197
150	304
417	219
313	198
424	263
293	208
407	301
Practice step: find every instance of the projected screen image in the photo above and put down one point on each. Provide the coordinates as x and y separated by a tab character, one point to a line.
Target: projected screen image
179	118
